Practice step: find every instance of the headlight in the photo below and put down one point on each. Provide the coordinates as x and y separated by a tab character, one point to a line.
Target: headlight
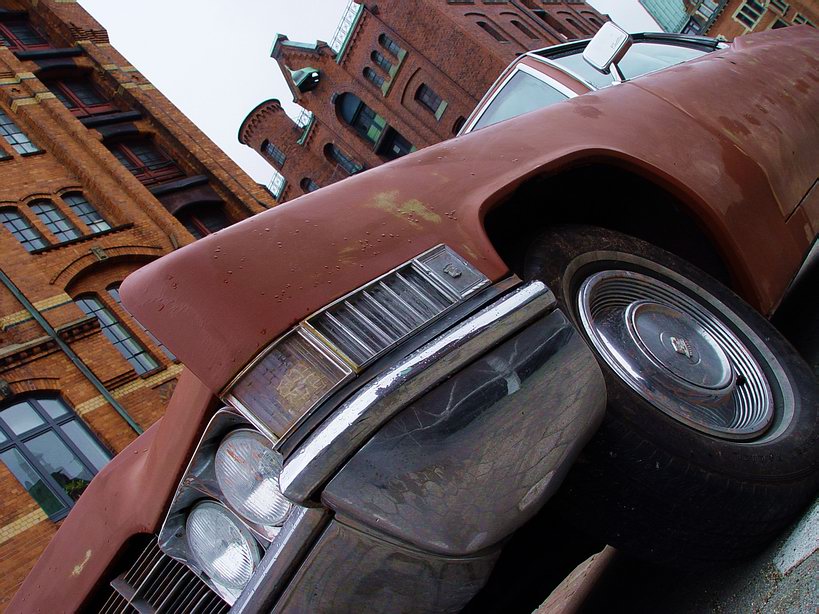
295	373
247	470
223	547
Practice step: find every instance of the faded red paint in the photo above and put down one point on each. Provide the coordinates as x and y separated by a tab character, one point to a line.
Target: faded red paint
218	302
127	497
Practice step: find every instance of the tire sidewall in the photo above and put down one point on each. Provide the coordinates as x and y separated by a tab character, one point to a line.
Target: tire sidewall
786	451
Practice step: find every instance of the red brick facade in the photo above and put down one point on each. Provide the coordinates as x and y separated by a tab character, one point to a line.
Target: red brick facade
738	17
416	68
192	188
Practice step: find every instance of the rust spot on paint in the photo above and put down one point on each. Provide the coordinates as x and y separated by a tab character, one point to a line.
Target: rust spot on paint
78	568
587	111
412	210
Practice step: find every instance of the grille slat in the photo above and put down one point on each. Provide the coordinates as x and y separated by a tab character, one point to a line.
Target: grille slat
155	583
379	315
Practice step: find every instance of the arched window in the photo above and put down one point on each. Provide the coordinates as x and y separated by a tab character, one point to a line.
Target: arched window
80	96
459	123
335	155
492	31
19	35
54	219
373	77
203	219
390	45
22	230
524	29
87	213
49	450
428	98
573	23
129	346
308	185
558	25
113	292
274	153
380	60
146	161
362	118
15	137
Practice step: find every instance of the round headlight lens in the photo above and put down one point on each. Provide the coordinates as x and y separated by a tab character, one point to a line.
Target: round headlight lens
223	547
247	469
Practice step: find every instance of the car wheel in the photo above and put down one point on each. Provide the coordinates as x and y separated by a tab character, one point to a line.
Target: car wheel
710	443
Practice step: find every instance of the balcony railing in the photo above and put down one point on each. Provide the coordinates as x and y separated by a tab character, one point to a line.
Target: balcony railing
348	20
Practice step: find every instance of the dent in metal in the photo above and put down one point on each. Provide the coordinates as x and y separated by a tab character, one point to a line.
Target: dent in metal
465	465
358	418
351	571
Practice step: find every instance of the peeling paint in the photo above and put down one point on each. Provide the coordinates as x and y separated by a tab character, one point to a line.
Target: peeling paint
410	210
78	568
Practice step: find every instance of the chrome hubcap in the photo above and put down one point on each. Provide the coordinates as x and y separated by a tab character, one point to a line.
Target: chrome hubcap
676	352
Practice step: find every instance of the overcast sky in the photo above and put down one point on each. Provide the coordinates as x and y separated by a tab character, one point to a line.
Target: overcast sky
212	57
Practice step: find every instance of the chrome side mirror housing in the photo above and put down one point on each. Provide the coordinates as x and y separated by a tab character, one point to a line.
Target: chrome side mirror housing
607	48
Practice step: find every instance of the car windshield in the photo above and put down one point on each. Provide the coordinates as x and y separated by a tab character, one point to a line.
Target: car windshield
521	94
641	59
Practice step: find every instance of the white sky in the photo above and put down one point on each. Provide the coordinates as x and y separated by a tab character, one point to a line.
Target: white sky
211	58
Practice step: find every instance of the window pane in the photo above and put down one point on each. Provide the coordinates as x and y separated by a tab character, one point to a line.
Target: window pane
86	443
53	407
521	94
86	212
18	226
14	136
3	437
61	463
55	221
33	483
21	418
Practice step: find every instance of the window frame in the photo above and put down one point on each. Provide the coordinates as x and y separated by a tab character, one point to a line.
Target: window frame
388	43
94	226
429	99
30	227
307	185
80	108
119	344
52	217
276	155
382	61
337	156
373	77
15	43
23	146
745	12
14	441
146	175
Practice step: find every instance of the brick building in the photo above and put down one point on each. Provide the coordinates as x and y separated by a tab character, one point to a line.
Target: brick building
731	18
100	174
396	77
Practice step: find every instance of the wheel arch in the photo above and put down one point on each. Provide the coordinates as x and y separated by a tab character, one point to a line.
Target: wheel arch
619	194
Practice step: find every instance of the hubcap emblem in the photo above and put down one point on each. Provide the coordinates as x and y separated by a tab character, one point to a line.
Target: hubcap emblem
682	346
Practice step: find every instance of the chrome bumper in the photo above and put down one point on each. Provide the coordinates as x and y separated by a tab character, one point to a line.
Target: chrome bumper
427	468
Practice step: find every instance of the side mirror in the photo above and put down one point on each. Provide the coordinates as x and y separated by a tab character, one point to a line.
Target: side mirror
609	46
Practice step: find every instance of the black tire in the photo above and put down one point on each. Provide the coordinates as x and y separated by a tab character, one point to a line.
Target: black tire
653	486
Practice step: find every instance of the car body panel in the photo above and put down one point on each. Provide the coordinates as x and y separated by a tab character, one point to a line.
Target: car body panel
129	496
216	303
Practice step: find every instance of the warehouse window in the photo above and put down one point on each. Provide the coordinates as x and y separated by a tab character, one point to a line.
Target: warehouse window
526	31
380	60
80	96
147	162
335	155
28	236
373	77
750	13
127	345
49	450
16	137
87	213
366	122
54	219
390	45
308	185
274	153
493	32
19	35
203	219
428	98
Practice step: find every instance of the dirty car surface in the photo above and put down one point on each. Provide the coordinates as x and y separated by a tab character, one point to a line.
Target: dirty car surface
413	359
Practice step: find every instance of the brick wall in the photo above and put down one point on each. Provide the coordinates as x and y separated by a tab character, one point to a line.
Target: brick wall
74	157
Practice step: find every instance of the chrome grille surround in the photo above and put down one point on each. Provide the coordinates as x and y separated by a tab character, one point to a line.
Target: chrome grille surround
355	330
155	582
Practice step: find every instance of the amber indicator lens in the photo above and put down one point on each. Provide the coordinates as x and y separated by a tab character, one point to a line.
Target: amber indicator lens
247	469
224	549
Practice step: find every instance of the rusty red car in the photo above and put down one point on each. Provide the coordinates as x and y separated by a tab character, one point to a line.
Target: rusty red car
567	307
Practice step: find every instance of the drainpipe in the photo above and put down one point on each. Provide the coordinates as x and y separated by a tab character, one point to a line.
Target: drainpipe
71	354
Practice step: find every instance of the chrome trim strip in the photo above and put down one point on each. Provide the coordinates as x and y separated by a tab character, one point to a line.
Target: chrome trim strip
533	72
284	555
359	417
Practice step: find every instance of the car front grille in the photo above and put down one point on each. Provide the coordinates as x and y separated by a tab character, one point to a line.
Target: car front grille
374	318
156	583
